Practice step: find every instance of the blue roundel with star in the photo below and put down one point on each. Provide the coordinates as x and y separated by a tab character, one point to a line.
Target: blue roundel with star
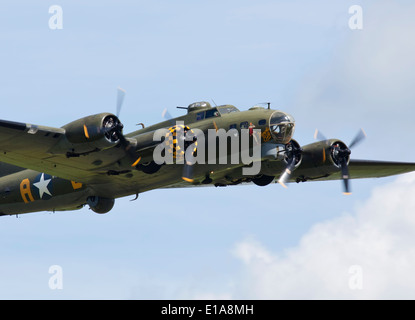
42	186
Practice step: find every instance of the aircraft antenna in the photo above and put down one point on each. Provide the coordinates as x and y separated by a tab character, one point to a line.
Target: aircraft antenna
267	103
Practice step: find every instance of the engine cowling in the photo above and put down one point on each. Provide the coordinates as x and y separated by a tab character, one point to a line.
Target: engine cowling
100	205
336	151
322	158
100	131
324	152
293	150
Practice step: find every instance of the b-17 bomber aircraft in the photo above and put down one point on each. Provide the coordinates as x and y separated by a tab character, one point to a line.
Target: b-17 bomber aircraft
91	161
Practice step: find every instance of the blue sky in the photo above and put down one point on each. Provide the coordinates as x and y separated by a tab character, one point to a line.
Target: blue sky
216	242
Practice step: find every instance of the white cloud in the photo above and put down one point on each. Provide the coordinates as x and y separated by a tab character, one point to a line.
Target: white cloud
378	237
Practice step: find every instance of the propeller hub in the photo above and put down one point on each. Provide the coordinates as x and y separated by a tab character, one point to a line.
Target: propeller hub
293	151
112	128
340	153
293	157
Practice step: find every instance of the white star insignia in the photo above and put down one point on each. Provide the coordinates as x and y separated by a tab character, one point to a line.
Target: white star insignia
42	185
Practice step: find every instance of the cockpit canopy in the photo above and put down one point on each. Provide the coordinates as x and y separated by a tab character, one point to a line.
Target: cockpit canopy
282	127
197	106
204	110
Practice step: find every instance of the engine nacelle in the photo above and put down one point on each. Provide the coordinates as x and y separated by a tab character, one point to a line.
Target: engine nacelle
99	204
321	158
100	131
324	152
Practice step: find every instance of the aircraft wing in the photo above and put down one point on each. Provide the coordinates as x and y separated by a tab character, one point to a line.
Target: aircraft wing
45	149
330	160
358	169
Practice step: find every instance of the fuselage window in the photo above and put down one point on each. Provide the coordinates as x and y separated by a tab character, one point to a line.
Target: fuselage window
244	125
232	126
200	116
262	122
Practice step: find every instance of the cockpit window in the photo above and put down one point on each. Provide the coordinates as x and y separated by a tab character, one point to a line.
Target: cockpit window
200	116
212	113
227	109
282	127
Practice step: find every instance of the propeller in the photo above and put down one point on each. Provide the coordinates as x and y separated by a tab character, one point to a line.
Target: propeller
360	136
166	114
120	100
341	154
117	128
319	136
124	143
188	166
112	129
293	154
187	174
